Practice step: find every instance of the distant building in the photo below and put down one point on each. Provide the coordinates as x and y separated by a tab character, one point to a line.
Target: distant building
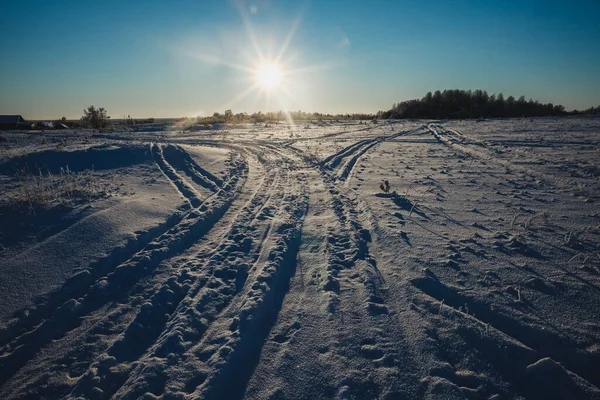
10	121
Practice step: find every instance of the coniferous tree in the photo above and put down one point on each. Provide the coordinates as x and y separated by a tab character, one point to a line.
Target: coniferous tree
455	103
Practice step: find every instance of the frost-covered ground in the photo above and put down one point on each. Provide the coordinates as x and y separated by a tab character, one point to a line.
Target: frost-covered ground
266	262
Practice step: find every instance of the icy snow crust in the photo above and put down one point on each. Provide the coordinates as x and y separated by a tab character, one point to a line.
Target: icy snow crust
264	261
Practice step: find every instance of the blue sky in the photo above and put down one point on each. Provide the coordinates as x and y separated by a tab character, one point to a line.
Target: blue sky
184	58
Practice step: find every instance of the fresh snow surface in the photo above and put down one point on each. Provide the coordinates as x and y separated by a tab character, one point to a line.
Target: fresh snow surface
265	262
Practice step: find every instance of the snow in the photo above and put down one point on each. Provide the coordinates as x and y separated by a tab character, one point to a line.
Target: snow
264	261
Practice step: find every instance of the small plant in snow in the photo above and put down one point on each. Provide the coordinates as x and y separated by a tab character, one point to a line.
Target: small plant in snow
544	216
385	186
573	240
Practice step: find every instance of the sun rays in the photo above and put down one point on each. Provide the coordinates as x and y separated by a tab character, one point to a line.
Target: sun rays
261	62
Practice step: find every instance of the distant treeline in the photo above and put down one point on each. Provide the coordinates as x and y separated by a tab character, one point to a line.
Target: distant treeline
459	104
449	104
276	116
589	111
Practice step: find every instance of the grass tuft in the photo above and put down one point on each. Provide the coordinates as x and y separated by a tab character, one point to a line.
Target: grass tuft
41	188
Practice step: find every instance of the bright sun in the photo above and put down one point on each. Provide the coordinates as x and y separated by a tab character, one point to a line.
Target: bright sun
268	75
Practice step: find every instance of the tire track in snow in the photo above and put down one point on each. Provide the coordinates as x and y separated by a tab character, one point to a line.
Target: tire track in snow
349	242
250	324
128	336
76	285
187	191
342	274
346	171
350	281
198	275
327	136
178	157
352	153
107	364
204	343
446	137
333	160
68	316
360	302
225	304
544	342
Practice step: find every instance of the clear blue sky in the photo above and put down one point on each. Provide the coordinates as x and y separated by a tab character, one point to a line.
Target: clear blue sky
184	58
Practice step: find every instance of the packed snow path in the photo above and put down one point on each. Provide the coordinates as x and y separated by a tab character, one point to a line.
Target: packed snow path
290	274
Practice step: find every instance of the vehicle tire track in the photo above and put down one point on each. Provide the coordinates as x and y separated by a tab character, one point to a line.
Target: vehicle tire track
178	157
202	302
175	287
125	329
543	341
332	161
68	316
352	153
250	324
77	285
197	275
340	300
485	153
187	191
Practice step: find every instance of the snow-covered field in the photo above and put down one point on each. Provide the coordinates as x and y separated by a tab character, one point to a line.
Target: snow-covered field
266	262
